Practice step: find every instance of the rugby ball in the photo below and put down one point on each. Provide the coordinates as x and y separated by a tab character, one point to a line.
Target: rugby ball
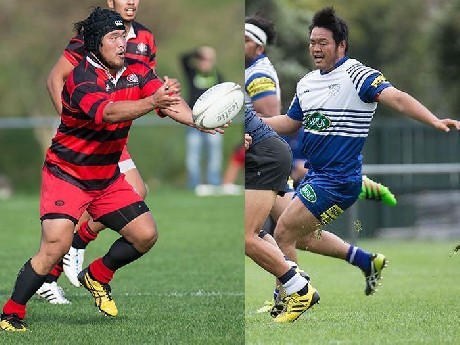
218	105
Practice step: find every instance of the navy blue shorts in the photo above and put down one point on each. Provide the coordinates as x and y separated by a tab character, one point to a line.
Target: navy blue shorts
326	197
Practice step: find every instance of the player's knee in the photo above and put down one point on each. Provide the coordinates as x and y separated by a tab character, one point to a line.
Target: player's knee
250	245
146	239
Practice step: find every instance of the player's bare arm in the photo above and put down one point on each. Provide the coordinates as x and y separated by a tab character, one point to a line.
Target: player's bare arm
129	110
267	106
283	124
408	105
56	80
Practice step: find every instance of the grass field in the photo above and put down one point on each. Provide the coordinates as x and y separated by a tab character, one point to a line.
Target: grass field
418	302
189	289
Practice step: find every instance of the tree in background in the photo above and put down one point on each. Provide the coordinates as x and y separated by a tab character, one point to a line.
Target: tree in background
446	48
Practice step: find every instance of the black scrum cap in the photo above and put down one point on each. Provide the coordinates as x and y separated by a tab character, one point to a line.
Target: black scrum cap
100	22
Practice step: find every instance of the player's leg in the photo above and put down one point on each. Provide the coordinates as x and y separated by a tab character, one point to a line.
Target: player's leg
60	207
329	244
132	219
257	206
372	190
214	166
50	290
234	166
193	159
268	167
87	229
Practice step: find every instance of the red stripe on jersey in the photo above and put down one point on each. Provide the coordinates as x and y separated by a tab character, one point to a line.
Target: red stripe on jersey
85	150
84	172
89	147
75	50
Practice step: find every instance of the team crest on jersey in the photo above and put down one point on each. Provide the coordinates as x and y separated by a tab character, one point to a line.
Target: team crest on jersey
333	90
142	48
132	78
316	122
308	193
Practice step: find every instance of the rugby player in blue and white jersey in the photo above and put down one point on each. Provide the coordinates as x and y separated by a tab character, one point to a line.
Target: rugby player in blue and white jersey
262	93
334	105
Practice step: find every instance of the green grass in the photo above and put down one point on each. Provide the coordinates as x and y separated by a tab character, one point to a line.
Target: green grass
189	289
416	304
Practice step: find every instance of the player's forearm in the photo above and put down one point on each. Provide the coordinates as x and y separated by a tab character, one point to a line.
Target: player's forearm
127	110
282	124
180	112
408	105
414	109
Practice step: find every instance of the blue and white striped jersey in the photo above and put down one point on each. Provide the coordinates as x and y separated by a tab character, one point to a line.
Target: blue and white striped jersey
260	80
336	109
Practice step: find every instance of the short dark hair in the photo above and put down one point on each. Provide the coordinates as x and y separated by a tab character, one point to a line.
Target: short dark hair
326	18
265	25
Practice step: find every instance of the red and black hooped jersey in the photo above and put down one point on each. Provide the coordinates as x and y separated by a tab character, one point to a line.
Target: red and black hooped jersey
85	150
142	47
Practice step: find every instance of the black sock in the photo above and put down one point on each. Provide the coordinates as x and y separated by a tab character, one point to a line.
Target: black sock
27	283
120	254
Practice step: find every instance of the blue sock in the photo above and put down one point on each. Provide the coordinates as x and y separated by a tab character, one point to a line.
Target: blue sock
358	257
276	293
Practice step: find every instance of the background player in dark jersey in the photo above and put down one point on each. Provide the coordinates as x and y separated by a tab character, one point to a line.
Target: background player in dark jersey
101	98
200	72
141	46
267	168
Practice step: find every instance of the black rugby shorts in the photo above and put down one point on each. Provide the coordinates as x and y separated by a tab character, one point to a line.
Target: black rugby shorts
268	165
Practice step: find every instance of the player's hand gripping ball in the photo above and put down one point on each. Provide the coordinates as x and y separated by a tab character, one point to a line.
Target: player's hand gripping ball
218	105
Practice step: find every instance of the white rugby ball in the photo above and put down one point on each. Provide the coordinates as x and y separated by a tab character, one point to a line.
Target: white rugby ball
218	105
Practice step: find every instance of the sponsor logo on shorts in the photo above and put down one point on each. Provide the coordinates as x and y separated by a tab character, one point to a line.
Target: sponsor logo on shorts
330	214
59	203
308	193
316	122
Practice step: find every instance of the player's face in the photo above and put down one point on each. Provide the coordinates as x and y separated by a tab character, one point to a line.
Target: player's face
113	49
251	49
323	49
126	8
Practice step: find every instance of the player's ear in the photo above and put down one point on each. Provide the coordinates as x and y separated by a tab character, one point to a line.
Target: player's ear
343	46
110	4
